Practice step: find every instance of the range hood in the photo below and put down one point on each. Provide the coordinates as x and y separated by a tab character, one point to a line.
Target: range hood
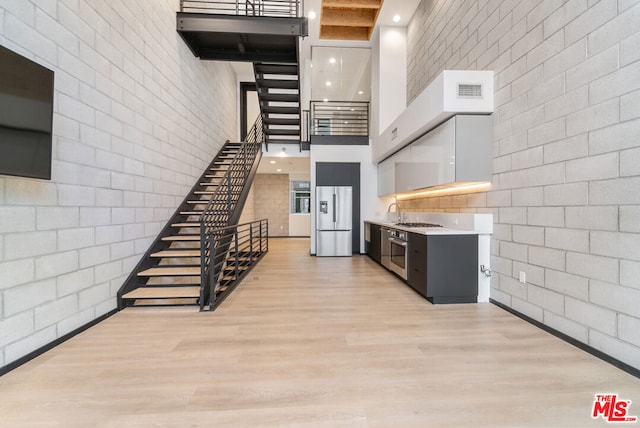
452	92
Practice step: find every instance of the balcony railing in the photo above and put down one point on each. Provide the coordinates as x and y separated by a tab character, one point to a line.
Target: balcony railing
272	8
339	119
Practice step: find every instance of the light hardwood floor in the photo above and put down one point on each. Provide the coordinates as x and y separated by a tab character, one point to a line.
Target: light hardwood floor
323	342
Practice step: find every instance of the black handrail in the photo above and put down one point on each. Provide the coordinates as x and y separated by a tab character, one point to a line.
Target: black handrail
218	214
272	8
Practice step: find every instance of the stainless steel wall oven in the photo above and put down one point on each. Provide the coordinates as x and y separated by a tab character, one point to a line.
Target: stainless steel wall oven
398	253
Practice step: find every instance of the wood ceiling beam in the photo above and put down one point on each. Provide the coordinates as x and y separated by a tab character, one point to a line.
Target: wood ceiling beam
348	17
344	33
355	4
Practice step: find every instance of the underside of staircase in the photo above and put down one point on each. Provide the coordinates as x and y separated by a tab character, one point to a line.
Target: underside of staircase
269	38
170	273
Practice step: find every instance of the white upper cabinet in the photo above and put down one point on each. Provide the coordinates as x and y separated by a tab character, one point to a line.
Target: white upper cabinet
457	151
452	92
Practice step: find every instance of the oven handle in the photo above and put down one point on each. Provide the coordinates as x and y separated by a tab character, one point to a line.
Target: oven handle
395	241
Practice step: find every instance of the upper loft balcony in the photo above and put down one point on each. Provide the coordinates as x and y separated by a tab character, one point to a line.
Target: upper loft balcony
243	30
338	123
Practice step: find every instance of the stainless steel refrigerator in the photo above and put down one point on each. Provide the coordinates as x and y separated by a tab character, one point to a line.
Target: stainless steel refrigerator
333	220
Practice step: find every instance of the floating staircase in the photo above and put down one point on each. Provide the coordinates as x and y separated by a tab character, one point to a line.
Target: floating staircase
278	86
171	271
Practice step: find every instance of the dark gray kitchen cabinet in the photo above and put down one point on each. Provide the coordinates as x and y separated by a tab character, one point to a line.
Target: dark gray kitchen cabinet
443	268
372	244
417	262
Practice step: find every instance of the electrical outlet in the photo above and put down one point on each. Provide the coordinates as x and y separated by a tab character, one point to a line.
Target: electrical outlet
522	277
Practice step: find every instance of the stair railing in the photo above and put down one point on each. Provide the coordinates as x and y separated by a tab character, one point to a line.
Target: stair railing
245	245
219	213
272	8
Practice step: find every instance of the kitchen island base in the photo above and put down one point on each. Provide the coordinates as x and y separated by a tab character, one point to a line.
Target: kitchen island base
443	268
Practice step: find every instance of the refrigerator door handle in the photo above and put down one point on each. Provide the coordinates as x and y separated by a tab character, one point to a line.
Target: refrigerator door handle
334	207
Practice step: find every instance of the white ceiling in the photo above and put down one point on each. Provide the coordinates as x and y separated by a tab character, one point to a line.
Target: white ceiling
403	8
286	165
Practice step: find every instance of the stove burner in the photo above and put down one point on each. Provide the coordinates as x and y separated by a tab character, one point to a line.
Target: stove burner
418	224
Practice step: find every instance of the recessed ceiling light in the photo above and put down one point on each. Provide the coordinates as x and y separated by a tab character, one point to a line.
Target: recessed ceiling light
360	92
332	60
396	18
312	15
273	162
328	83
326	100
279	170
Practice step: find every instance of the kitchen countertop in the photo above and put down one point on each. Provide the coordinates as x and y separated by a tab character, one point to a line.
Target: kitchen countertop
424	230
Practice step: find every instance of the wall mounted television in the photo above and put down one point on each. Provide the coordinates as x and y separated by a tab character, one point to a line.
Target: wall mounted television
26	116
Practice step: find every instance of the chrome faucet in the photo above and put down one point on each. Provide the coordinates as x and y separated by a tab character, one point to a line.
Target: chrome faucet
398	208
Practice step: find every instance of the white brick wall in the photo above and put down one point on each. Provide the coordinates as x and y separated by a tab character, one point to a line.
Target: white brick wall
136	119
566	187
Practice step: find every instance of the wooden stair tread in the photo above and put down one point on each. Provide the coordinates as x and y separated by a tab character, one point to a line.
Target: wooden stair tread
233	268
163	293
171	271
185	224
176	253
182	238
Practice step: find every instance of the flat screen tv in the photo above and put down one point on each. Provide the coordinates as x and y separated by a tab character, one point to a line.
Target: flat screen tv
26	116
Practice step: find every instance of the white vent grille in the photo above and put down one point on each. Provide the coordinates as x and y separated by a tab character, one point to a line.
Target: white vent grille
467	90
